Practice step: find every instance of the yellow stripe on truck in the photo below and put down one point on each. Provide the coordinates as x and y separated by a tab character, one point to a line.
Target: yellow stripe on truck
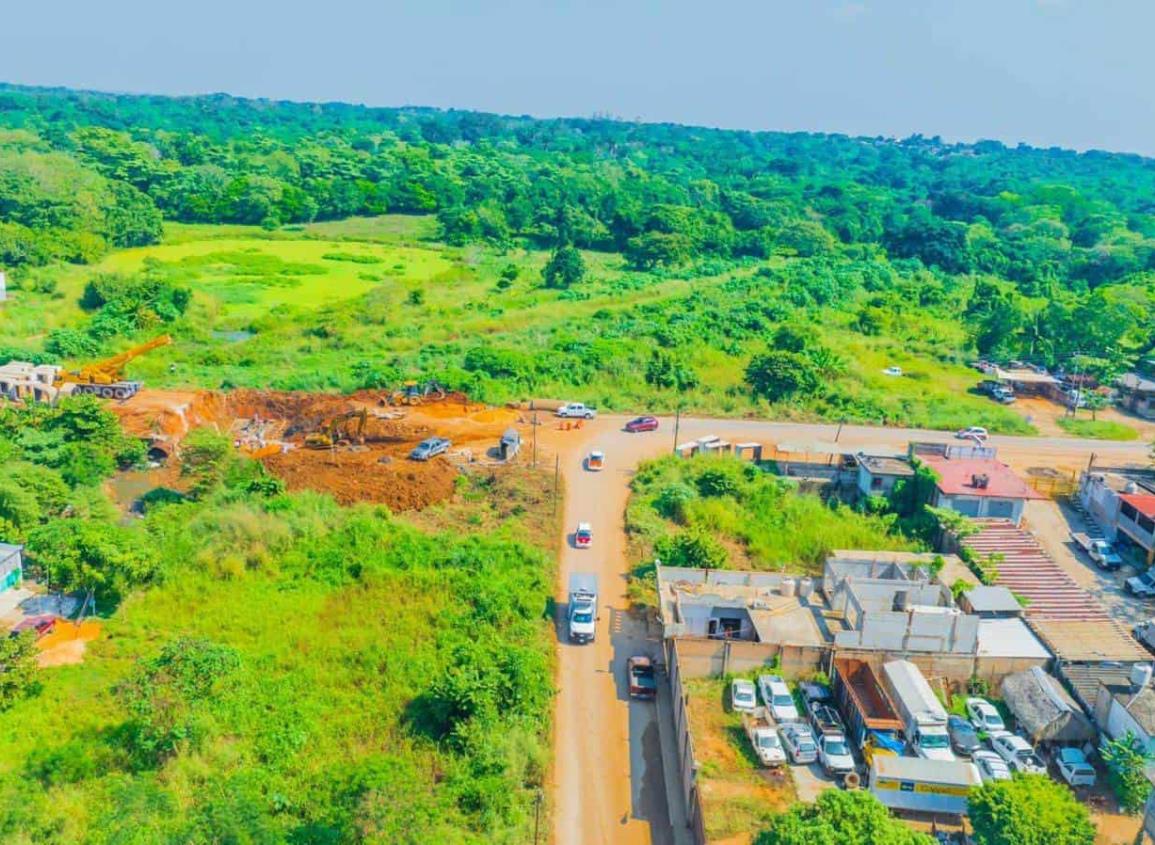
923	788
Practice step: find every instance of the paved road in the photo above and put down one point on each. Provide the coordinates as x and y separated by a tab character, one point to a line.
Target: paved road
609	784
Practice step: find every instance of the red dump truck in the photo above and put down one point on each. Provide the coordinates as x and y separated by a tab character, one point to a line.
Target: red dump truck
871	719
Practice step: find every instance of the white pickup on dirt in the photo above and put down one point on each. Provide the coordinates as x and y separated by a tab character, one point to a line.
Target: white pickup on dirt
764	738
1141	585
1099	550
922	714
583	607
576	410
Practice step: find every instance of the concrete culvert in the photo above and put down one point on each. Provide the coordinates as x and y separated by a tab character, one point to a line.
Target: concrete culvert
157	455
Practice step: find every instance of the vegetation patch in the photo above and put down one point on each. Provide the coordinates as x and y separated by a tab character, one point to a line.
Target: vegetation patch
1098	429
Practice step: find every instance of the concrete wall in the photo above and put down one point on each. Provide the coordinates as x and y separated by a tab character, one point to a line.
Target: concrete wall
948	633
687	770
983	506
955	669
866	480
1101	502
703	658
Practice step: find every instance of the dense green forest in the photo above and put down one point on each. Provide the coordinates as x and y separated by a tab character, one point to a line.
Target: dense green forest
1044	253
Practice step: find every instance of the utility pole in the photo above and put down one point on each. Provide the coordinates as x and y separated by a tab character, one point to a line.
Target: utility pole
535	439
677	425
556	477
536	814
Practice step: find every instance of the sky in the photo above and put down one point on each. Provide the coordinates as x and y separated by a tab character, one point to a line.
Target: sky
1071	73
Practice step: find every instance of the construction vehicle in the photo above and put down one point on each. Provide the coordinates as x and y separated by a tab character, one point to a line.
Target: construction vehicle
333	431
106	378
414	393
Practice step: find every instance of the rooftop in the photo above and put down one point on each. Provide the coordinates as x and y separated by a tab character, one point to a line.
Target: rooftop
1025	376
1142	502
993	599
1085	679
957	478
1134	381
885	464
1140	704
1009	638
1089	642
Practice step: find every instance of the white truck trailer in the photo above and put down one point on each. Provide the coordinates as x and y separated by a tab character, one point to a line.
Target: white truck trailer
923	786
583	607
922	714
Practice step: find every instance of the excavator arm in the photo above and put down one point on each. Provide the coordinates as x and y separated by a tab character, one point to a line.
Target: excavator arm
112	369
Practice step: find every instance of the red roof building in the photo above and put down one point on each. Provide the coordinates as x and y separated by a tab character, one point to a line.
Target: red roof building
979	487
1137	521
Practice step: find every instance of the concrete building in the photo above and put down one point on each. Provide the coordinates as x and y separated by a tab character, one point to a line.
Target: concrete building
11	566
978	487
991	602
1122	502
1137	394
877	474
1128	708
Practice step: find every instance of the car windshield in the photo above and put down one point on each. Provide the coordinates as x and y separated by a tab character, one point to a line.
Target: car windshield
993	720
933	741
783	701
836	748
743	696
769	741
582	617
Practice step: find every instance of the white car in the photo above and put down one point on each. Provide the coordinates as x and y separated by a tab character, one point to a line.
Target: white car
769	748
1073	766
892	371
1142	585
992	767
974	432
799	742
1019	754
583	538
742	695
777	698
834	754
984	716
576	410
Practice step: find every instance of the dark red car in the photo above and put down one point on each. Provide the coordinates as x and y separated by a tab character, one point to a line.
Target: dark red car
643	424
41	625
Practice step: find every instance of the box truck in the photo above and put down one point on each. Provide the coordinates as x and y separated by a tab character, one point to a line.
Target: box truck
922	714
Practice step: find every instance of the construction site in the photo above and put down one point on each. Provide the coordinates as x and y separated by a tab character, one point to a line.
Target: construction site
354	447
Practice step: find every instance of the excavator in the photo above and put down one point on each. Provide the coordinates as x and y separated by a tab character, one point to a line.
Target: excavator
333	432
414	393
106	378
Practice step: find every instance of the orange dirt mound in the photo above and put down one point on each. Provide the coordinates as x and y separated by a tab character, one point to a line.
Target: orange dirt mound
359	476
67	643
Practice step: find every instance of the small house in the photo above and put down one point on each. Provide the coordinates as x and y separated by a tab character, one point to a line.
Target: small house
1137	394
1044	710
1129	708
878	474
991	602
978	487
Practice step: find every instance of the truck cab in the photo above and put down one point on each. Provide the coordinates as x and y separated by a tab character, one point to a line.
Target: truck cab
931	742
583	607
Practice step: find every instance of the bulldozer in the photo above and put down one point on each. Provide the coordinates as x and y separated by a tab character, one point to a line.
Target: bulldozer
333	432
414	393
106	378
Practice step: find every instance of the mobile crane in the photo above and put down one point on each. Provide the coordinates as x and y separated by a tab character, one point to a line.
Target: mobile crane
106	378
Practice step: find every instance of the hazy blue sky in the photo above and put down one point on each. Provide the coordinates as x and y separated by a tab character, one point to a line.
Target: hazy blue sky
1074	73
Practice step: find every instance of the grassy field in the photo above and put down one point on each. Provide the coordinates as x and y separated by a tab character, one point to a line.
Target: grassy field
349	628
1099	429
371	301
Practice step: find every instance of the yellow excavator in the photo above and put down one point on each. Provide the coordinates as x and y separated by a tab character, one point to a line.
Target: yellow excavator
106	378
414	393
333	431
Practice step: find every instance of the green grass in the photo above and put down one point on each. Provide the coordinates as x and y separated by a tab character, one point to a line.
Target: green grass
342	305
761	520
1098	429
343	620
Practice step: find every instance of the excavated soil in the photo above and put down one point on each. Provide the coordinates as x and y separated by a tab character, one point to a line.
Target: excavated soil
369	463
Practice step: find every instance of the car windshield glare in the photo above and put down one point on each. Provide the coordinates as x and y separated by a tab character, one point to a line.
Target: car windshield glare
933	741
783	701
837	748
583	618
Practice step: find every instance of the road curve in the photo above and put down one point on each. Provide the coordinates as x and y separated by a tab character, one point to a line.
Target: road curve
608	782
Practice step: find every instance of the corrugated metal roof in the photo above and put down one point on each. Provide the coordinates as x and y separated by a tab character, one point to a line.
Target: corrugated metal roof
953	772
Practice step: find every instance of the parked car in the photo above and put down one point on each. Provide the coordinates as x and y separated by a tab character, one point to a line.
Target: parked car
764	738
1101	552
991	766
1073	766
1144	632
1018	754
583	538
974	432
642	424
834	754
742	695
640	670
984	716
799	742
963	738
595	460
39	625
1003	395
429	448
892	371
1142	585
825	719
576	410
777	698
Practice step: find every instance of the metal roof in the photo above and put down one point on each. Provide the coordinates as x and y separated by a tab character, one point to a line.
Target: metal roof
953	772
992	599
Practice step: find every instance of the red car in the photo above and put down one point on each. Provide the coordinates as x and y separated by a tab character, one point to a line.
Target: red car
583	538
42	625
642	424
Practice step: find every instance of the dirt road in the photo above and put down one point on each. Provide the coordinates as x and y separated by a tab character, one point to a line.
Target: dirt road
609	784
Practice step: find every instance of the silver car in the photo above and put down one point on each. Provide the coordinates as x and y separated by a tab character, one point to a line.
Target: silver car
799	742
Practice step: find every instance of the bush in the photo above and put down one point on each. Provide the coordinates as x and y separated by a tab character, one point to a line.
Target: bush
1029	810
692	548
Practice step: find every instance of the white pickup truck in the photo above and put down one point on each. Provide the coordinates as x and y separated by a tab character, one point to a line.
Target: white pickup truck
576	410
1099	550
764	738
